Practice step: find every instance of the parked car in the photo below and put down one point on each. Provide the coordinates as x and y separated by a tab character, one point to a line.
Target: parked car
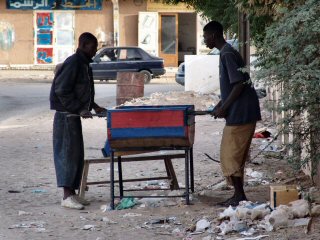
181	69
110	60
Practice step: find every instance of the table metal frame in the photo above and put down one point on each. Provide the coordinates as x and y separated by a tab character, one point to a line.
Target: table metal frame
189	170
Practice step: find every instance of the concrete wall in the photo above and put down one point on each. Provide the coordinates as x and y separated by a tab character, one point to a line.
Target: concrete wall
22	52
129	22
23	47
96	22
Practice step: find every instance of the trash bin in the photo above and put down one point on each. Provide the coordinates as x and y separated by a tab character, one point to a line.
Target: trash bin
130	85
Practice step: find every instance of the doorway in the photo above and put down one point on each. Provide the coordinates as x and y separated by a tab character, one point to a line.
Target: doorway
187	31
168	44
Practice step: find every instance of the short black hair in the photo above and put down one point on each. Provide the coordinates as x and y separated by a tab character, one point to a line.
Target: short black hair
86	38
214	27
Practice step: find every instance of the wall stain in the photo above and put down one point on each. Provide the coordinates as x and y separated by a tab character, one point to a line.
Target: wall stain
7	36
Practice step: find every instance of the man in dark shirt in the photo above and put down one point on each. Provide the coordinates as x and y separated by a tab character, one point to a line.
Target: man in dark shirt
72	92
239	105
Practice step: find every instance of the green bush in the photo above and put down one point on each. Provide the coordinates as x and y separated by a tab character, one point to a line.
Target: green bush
289	59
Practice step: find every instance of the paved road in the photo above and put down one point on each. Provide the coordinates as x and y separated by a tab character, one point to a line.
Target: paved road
22	98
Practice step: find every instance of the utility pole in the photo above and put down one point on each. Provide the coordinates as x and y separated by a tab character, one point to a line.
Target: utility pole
244	37
116	21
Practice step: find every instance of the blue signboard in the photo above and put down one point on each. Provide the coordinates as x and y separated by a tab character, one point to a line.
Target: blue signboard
55	4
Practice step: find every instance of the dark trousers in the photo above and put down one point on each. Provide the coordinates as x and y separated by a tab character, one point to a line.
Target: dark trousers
68	150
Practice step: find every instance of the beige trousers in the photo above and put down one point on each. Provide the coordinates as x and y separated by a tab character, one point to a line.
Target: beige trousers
234	150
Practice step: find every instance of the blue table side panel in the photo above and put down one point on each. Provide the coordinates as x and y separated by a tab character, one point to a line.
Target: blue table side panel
123	133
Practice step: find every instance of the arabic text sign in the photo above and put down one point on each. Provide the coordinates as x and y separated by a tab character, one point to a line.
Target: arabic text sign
55	4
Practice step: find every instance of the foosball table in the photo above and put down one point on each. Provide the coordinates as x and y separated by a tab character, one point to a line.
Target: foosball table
150	130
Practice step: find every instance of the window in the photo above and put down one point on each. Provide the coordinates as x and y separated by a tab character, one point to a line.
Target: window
108	55
129	54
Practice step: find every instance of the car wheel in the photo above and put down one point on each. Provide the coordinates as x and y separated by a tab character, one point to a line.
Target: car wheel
147	76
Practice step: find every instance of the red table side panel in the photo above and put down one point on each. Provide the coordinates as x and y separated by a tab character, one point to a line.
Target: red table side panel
147	119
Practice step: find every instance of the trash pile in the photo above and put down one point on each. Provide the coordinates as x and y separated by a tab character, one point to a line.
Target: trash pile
256	177
201	101
249	218
265	138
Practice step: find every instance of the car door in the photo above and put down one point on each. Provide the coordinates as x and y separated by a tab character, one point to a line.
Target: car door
105	64
129	60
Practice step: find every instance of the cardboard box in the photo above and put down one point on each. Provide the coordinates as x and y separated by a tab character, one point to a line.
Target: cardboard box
283	194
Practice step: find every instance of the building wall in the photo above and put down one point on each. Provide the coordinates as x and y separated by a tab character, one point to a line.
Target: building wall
96	22
129	12
23	47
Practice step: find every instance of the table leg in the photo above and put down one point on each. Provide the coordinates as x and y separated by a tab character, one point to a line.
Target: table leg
174	185
187	176
112	180
120	177
191	169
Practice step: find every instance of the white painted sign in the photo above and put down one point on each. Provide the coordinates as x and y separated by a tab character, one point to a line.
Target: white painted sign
148	32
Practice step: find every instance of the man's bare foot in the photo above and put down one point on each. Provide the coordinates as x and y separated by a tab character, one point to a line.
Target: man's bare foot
227	202
233	201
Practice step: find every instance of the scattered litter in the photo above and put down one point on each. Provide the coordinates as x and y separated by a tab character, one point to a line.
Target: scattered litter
315	211
253	238
126	203
254	174
155	202
105	208
14	191
39	191
88	227
227	213
207	238
278	218
202	225
262	133
258	161
314	195
20	213
211	158
299	222
270	147
163	220
107	220
132	215
177	232
176	192
299	208
37	226
248	232
252	211
233	225
153	182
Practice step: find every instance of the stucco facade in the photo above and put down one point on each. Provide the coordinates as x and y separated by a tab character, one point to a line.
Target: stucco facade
22	24
112	26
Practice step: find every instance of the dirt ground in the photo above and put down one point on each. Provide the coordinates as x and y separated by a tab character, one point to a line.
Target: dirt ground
30	201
